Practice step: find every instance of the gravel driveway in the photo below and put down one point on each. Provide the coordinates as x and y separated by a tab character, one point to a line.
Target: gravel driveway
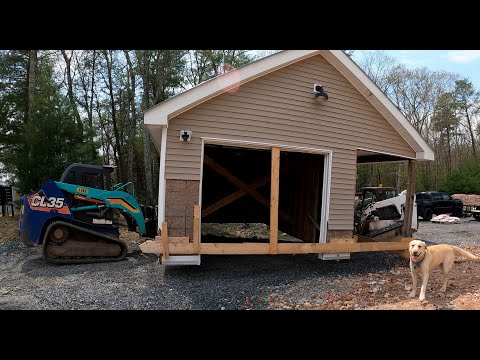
467	232
221	282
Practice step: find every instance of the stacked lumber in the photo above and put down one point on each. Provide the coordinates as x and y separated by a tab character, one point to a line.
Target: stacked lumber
468	199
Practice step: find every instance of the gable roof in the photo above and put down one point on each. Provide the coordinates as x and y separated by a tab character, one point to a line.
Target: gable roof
161	113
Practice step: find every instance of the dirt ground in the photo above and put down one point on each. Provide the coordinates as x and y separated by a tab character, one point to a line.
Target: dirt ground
8	228
368	281
388	290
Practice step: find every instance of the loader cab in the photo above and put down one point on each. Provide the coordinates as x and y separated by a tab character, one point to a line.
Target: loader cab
371	195
94	176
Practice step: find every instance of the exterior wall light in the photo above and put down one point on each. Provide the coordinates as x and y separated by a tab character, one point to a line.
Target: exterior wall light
319	92
185	135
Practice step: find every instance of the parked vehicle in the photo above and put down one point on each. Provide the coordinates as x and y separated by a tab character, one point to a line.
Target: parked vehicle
435	202
76	219
380	210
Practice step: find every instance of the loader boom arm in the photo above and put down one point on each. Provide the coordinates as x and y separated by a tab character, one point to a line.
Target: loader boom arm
104	198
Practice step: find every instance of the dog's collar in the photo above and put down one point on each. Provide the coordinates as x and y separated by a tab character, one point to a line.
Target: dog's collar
417	264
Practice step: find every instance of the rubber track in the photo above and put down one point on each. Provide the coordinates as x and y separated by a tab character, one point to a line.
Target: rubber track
82	260
374	233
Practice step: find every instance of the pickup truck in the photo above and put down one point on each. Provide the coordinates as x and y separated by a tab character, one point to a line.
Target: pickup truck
435	202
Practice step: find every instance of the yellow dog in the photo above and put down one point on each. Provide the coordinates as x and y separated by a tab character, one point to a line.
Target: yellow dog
424	259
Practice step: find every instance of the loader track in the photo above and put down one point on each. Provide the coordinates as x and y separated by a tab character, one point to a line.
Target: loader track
67	243
374	233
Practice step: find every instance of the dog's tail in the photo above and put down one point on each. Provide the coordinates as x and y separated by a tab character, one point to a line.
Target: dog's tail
465	254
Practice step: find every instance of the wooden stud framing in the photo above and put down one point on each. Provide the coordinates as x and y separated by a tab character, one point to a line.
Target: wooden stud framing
196	228
407	220
274	191
233	197
165	244
219	169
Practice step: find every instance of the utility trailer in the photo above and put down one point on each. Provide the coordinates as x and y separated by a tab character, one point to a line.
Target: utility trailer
471	204
472	210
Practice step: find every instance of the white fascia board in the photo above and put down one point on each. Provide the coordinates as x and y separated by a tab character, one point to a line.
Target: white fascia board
151	118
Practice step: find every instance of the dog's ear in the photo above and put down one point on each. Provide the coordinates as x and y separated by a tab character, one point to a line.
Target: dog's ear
424	244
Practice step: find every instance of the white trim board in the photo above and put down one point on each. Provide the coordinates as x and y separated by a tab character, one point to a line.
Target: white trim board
386	153
162	113
327	180
200	193
263	145
161	178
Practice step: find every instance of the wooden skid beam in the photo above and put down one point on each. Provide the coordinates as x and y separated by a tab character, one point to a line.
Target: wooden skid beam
274	191
175	239
404	253
219	169
233	197
155	247
343	240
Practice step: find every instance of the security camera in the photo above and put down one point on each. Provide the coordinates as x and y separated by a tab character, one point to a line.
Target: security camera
319	92
185	135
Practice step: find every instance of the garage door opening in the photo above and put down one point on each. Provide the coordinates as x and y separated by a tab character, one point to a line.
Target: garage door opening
300	198
236	185
235	194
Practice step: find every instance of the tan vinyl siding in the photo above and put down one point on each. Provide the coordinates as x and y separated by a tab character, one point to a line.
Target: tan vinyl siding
279	108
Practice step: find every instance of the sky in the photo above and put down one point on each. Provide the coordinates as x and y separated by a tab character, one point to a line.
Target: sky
463	62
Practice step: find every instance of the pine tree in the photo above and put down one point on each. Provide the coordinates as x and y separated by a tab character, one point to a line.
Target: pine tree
37	148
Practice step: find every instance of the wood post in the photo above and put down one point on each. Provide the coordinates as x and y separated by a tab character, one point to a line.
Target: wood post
196	228
165	241
407	220
274	190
